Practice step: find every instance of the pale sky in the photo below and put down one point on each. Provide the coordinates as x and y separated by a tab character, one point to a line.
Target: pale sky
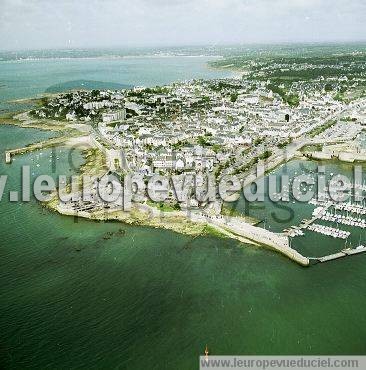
30	24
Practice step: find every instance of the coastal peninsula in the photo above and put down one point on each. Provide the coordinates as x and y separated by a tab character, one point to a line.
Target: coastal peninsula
218	127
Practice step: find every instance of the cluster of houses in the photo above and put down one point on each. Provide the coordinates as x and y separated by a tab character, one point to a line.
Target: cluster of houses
80	105
192	125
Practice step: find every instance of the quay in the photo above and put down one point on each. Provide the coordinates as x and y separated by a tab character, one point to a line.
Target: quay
343	156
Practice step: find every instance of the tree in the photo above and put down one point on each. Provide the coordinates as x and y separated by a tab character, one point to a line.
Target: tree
234	97
265	155
328	87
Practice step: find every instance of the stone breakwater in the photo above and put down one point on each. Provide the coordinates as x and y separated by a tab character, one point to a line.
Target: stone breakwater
276	241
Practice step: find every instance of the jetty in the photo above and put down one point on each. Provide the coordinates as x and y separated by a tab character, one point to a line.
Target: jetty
338	255
37	146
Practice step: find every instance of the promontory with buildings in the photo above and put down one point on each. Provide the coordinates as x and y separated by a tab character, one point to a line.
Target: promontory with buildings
220	127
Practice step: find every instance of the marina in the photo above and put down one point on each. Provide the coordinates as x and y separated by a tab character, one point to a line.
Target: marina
344	217
345	220
335	220
329	231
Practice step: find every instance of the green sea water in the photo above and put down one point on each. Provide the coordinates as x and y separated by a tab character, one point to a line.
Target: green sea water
77	294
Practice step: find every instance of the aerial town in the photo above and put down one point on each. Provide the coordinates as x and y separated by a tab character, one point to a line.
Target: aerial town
220	126
257	119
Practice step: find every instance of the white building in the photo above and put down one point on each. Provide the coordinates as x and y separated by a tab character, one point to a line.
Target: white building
114	116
